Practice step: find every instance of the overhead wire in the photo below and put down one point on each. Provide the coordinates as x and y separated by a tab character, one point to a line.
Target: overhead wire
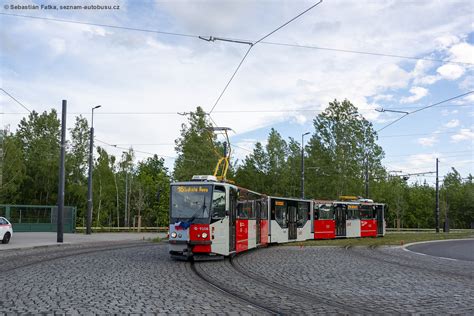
250	48
235	39
101	25
424	108
14	99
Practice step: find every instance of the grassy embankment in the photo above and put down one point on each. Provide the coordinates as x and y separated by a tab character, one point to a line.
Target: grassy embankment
390	239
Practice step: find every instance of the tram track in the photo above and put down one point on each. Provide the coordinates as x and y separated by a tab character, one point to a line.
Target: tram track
233	294
8	264
310	297
386	259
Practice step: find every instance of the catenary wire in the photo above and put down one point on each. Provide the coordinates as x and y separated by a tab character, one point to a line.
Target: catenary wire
250	48
14	99
101	25
424	108
262	42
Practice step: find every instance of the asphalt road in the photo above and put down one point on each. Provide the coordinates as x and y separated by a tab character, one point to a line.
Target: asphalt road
453	249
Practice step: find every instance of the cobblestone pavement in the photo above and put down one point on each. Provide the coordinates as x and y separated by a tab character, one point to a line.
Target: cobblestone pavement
384	280
140	278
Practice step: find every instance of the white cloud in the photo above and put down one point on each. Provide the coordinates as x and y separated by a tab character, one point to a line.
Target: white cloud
383	97
462	52
417	94
464	134
452	124
451	71
58	46
446	112
427	141
142	72
446	41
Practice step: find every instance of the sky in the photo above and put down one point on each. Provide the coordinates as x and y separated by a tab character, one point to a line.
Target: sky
144	79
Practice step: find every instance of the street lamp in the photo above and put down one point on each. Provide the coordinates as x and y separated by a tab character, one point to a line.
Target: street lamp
302	164
89	180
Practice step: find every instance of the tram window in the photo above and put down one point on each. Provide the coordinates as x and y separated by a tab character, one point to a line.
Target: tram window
218	202
280	216
251	209
352	214
326	212
366	213
315	212
302	215
263	209
242	210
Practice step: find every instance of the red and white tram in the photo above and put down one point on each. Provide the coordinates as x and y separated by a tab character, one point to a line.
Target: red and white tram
348	219
214	219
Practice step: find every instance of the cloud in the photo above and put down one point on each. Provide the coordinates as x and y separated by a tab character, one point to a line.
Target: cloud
143	72
451	71
446	41
452	124
464	134
427	141
446	112
383	97
462	52
417	94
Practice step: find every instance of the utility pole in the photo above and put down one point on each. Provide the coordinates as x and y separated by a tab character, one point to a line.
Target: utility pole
366	176
61	175
437	196
89	180
302	164
125	220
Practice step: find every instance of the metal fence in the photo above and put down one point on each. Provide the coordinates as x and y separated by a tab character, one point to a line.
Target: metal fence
38	218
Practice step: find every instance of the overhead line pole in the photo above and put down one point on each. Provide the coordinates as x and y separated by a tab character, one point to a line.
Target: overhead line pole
61	175
437	196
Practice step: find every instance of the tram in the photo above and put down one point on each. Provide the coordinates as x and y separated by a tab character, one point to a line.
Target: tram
210	217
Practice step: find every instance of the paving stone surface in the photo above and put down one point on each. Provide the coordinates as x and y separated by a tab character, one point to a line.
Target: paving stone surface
383	280
140	278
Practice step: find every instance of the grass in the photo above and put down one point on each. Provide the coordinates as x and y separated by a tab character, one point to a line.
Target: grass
390	239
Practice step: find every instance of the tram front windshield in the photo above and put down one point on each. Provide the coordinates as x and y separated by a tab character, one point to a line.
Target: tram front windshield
190	202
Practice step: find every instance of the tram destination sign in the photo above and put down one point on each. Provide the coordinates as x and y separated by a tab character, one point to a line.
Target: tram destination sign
192	189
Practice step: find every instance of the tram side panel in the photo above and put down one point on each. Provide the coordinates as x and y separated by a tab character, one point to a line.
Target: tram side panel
278	221
324	222
220	236
304	221
264	222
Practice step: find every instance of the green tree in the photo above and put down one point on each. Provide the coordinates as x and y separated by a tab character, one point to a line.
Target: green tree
151	177
13	169
39	136
76	166
196	147
343	142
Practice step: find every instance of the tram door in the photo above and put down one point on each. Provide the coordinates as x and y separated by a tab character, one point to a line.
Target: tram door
379	209
258	215
340	215
292	222
232	215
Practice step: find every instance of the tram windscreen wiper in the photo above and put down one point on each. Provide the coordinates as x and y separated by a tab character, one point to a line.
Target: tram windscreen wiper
199	211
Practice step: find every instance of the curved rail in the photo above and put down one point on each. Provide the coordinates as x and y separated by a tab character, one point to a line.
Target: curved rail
310	297
37	259
406	265
232	294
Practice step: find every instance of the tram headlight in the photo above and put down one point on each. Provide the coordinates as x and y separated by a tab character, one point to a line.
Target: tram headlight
173	235
204	235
